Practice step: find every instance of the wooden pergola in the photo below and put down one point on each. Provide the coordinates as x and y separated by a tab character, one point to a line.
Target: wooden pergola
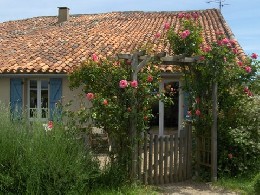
138	61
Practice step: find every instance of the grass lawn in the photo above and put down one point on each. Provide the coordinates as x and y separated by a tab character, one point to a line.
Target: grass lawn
127	189
243	185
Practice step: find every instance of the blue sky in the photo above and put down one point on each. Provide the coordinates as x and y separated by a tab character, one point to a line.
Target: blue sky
242	16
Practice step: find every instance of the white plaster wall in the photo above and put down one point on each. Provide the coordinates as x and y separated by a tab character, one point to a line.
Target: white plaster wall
5	91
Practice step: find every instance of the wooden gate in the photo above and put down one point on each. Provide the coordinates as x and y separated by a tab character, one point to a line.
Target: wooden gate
165	159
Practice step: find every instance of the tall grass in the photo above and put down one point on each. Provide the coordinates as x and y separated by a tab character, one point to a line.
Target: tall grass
33	161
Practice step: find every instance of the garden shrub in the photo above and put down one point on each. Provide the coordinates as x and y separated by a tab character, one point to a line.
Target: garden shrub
33	161
116	101
239	139
237	79
256	184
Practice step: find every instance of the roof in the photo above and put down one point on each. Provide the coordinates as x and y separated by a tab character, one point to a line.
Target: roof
40	45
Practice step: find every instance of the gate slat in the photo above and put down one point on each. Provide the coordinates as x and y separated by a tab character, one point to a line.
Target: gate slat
161	180
168	159
180	156
189	152
139	159
150	166
176	148
184	138
166	154
171	159
145	159
156	159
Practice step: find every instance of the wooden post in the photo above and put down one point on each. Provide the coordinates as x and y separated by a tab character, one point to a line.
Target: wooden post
136	67
133	122
214	132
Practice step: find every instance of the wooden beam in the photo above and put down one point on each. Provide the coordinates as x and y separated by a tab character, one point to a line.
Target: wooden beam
177	60
167	60
124	56
142	64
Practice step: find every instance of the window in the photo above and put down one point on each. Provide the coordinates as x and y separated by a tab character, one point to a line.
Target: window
171	112
38	99
168	118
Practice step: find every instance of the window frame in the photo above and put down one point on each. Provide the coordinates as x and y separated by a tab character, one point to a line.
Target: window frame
180	106
39	97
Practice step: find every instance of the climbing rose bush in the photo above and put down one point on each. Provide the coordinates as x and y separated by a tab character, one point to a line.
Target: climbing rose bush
238	135
116	99
187	40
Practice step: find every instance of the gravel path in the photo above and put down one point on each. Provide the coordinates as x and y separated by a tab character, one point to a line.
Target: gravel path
193	188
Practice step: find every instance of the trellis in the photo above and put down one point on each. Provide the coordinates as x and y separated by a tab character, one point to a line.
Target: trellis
138	61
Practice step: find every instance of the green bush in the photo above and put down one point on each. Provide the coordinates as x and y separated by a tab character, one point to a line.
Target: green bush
33	161
256	184
239	139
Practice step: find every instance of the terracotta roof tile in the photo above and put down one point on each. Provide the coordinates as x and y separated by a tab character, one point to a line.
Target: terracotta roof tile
40	45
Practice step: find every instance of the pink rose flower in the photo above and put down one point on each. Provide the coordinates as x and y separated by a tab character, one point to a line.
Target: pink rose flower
254	56
202	58
248	69
235	51
50	124
206	49
248	92
246	89
123	84
157	35
219	33
219	42
166	26
233	42
229	45
239	63
105	102
195	15
149	78
128	62
94	57
134	84
187	32
90	96
197	112
188	16
180	15
230	156
225	41
184	34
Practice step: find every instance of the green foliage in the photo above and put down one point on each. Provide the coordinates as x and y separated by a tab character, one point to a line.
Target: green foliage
112	177
102	79
241	185
238	96
239	147
33	161
187	40
256	184
113	105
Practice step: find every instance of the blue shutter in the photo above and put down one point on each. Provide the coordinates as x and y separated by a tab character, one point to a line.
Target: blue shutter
16	98
55	98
